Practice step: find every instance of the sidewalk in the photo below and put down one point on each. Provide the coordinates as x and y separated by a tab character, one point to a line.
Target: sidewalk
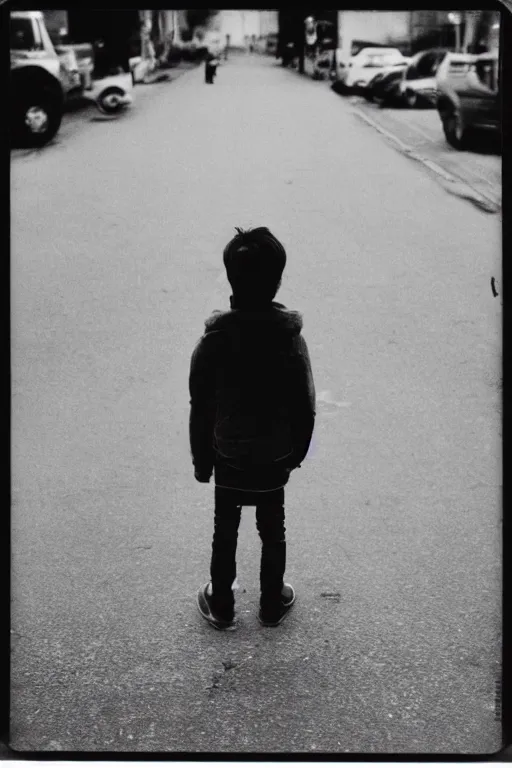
418	133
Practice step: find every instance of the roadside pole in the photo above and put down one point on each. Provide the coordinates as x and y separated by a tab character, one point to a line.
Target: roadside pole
455	18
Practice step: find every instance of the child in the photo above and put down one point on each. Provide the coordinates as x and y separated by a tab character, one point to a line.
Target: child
210	67
251	421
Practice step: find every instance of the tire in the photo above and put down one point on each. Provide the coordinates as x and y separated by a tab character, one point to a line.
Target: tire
37	116
339	87
109	101
454	130
411	99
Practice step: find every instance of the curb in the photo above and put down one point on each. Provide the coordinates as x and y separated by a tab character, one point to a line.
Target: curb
452	184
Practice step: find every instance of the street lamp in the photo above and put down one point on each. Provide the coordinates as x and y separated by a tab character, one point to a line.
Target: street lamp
454	18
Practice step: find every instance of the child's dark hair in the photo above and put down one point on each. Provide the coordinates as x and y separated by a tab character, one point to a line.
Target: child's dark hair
254	261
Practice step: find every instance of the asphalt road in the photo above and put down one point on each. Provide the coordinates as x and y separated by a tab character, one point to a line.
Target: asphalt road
393	522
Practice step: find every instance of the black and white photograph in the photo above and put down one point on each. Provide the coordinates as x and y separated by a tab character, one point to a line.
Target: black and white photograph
256	309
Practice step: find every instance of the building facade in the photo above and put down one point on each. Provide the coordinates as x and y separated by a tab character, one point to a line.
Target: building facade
358	28
127	33
245	26
413	31
164	26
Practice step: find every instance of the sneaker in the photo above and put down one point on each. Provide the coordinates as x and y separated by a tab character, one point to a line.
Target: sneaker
204	600
276	617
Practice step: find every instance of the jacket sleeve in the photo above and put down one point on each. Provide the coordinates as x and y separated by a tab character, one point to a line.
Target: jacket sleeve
302	400
202	406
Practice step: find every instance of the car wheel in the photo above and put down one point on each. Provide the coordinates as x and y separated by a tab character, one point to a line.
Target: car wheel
339	87
37	117
411	99
454	130
111	100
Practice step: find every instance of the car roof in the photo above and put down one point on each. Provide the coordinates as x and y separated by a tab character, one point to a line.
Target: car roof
26	15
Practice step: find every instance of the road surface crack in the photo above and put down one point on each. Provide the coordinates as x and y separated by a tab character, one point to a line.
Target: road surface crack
335	596
219	676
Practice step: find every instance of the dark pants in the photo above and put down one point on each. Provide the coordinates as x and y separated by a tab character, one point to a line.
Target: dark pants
210	73
270	523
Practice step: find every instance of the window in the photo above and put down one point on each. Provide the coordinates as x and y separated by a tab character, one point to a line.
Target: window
375	61
440	57
22	35
487	73
426	66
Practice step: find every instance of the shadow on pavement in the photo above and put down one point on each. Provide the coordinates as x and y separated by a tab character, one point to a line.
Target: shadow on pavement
486	144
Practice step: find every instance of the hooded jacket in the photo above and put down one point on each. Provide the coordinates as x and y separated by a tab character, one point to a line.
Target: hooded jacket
252	397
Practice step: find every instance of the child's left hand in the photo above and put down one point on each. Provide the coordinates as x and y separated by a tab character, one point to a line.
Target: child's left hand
201	478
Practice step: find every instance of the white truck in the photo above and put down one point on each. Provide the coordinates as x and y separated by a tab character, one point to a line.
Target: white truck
36	94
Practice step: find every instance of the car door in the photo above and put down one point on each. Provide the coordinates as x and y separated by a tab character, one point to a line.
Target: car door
487	70
480	99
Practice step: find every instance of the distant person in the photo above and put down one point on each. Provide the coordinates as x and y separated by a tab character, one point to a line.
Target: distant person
210	67
251	421
226	48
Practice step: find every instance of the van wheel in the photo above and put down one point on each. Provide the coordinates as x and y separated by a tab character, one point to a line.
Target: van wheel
454	130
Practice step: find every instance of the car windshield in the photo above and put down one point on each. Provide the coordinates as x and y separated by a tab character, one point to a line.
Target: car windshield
22	35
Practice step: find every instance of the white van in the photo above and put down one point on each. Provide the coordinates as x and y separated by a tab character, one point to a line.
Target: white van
37	95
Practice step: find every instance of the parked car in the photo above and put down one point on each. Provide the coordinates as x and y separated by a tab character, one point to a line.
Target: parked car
468	98
355	74
36	97
418	86
383	88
